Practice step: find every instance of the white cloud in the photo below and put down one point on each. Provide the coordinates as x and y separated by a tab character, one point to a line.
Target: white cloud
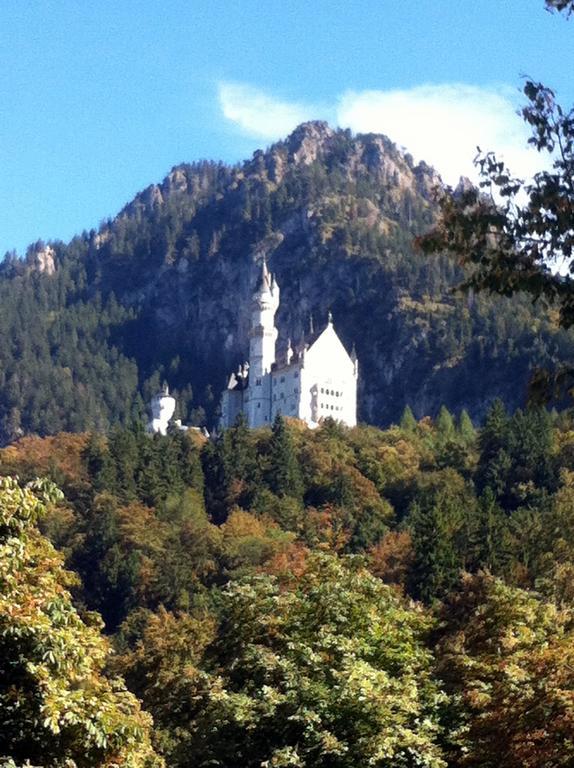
444	124
260	114
440	124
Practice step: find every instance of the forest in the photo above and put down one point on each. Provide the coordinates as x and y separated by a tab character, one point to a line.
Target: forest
288	597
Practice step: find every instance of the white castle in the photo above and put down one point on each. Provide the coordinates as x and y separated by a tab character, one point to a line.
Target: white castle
312	382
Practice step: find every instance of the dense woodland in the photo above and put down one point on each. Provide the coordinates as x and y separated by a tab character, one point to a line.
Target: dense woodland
289	597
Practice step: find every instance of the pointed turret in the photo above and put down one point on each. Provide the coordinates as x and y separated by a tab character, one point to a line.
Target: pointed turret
265	279
263	332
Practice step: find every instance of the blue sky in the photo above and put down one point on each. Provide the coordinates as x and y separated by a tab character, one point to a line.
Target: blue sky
101	98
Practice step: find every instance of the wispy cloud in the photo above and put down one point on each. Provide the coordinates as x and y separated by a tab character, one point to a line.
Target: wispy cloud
260	114
441	124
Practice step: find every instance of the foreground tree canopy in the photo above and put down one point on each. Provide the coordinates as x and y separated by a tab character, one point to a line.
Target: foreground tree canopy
329	670
56	706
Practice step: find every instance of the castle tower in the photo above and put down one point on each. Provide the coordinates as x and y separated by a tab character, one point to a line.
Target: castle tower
263	334
262	340
162	410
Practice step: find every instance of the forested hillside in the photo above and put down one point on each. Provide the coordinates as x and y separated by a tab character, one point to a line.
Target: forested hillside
287	597
89	328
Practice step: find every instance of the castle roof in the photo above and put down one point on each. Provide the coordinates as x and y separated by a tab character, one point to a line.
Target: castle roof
328	336
265	280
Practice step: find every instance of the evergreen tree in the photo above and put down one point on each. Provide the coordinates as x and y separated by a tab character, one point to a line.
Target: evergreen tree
284	473
494	462
99	465
444	423
408	421
122	445
441	521
231	470
466	428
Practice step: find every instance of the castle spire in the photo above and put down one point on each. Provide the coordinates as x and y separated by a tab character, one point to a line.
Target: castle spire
265	282
263	334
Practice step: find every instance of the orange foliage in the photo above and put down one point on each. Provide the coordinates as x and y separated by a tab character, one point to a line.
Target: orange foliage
290	563
325	528
41	455
392	558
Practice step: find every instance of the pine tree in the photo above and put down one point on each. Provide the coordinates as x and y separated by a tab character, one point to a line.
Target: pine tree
408	421
445	423
285	477
99	465
466	428
494	462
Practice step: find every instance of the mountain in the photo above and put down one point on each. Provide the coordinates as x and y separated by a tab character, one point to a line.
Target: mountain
91	327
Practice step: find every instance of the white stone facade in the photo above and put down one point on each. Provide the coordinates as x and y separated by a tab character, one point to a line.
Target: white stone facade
162	410
313	382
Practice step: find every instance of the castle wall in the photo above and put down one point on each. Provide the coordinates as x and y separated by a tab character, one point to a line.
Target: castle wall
286	391
257	401
231	407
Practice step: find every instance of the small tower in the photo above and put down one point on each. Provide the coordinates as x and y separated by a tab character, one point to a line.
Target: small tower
162	410
263	334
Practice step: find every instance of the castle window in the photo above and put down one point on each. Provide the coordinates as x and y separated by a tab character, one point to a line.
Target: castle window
257	382
259	405
282	379
322	390
282	396
296	375
296	390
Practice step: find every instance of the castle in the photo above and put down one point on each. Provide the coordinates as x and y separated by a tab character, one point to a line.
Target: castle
316	380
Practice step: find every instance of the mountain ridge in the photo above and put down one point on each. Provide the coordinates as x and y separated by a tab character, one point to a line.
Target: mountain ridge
162	291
